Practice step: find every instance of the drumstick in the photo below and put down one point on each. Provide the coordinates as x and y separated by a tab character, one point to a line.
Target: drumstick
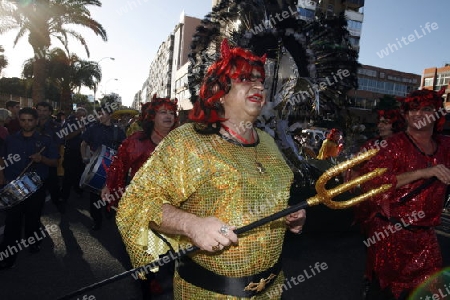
29	165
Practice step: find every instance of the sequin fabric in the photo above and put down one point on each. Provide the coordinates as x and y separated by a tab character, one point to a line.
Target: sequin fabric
403	258
132	154
209	176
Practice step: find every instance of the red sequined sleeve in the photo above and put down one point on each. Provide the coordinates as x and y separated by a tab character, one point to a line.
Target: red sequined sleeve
117	172
390	158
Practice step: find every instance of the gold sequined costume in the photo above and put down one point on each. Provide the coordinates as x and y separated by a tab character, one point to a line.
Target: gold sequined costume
209	176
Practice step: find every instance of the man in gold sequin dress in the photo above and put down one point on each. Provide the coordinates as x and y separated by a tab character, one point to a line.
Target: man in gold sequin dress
207	178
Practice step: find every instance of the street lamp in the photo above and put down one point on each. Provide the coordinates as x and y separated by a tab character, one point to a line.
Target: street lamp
107	57
105	84
98	83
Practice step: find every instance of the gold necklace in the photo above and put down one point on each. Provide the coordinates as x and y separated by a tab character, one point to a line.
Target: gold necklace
259	166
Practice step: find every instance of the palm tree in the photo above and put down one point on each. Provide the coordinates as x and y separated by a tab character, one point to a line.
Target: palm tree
68	72
3	61
43	19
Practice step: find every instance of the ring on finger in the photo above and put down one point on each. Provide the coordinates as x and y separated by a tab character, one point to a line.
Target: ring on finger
217	247
224	230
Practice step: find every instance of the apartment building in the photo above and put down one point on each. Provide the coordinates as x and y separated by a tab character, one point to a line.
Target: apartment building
160	73
183	34
437	78
169	69
352	9
375	82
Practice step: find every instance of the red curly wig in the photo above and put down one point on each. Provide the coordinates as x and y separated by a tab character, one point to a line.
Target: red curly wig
422	98
234	63
334	133
394	117
149	109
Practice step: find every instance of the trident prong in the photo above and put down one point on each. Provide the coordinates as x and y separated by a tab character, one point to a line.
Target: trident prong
325	196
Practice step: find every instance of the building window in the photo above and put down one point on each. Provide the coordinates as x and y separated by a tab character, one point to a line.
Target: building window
354	25
443	79
305	14
353	41
382	87
382	74
367	72
428	82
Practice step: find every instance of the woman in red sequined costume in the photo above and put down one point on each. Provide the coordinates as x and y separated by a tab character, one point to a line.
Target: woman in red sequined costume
402	246
390	121
158	118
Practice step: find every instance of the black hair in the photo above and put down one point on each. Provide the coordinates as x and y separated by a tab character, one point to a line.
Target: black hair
28	111
11	103
45	104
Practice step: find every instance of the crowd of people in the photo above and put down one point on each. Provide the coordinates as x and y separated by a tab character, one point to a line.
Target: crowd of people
177	186
40	142
314	146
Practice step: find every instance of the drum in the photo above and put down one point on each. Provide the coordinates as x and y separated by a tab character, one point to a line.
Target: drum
94	175
19	189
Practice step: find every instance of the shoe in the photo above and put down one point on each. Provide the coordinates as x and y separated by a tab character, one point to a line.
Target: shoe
6	265
34	248
96	226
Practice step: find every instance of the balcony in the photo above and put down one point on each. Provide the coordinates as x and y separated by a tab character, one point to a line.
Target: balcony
354	4
354	15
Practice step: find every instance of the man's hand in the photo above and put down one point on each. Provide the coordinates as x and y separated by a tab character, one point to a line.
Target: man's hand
210	234
296	220
440	171
36	157
110	200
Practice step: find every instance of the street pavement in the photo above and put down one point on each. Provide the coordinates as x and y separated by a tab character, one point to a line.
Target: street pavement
326	261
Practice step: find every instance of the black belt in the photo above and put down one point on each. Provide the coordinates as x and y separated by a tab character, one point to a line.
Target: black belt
246	286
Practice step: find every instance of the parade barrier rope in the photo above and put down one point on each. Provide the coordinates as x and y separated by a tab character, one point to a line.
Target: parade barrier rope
323	196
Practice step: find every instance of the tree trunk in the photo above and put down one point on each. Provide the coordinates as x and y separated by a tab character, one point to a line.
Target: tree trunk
66	100
39	76
39	39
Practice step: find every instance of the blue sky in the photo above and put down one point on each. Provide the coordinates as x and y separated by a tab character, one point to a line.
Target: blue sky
387	22
136	28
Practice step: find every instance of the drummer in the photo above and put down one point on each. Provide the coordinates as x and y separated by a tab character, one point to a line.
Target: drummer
39	152
98	134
